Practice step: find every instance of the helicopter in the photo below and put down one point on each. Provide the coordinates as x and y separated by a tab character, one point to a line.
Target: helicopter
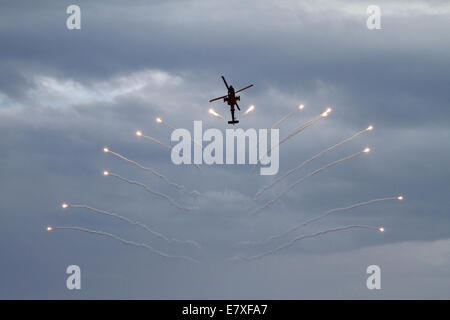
231	99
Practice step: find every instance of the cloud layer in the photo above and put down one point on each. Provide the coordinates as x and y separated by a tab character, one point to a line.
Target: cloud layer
65	95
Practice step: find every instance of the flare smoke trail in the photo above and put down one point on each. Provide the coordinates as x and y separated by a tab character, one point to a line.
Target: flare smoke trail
268	204
290	114
127	242
195	194
140	184
296	131
172	184
140	134
135	223
159	120
306	125
308	236
329	212
311	159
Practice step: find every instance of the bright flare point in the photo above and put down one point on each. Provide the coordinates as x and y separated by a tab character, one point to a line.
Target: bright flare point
366	150
326	112
300	107
64	205
138	133
211	111
381	229
400	197
369	128
250	109
49	228
105	173
105	150
159	120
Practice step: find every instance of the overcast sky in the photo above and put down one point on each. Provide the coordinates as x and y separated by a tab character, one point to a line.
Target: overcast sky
66	94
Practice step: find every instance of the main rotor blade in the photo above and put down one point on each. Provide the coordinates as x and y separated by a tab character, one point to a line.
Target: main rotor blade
225	81
244	88
217	98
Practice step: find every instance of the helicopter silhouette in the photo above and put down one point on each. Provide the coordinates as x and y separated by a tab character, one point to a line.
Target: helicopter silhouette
231	99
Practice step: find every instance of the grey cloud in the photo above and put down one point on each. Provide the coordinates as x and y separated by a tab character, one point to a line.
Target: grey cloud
65	95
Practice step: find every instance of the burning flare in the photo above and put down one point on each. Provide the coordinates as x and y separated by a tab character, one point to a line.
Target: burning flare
326	112
250	109
211	111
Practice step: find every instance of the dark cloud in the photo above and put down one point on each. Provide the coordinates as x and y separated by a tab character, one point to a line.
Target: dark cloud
64	95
